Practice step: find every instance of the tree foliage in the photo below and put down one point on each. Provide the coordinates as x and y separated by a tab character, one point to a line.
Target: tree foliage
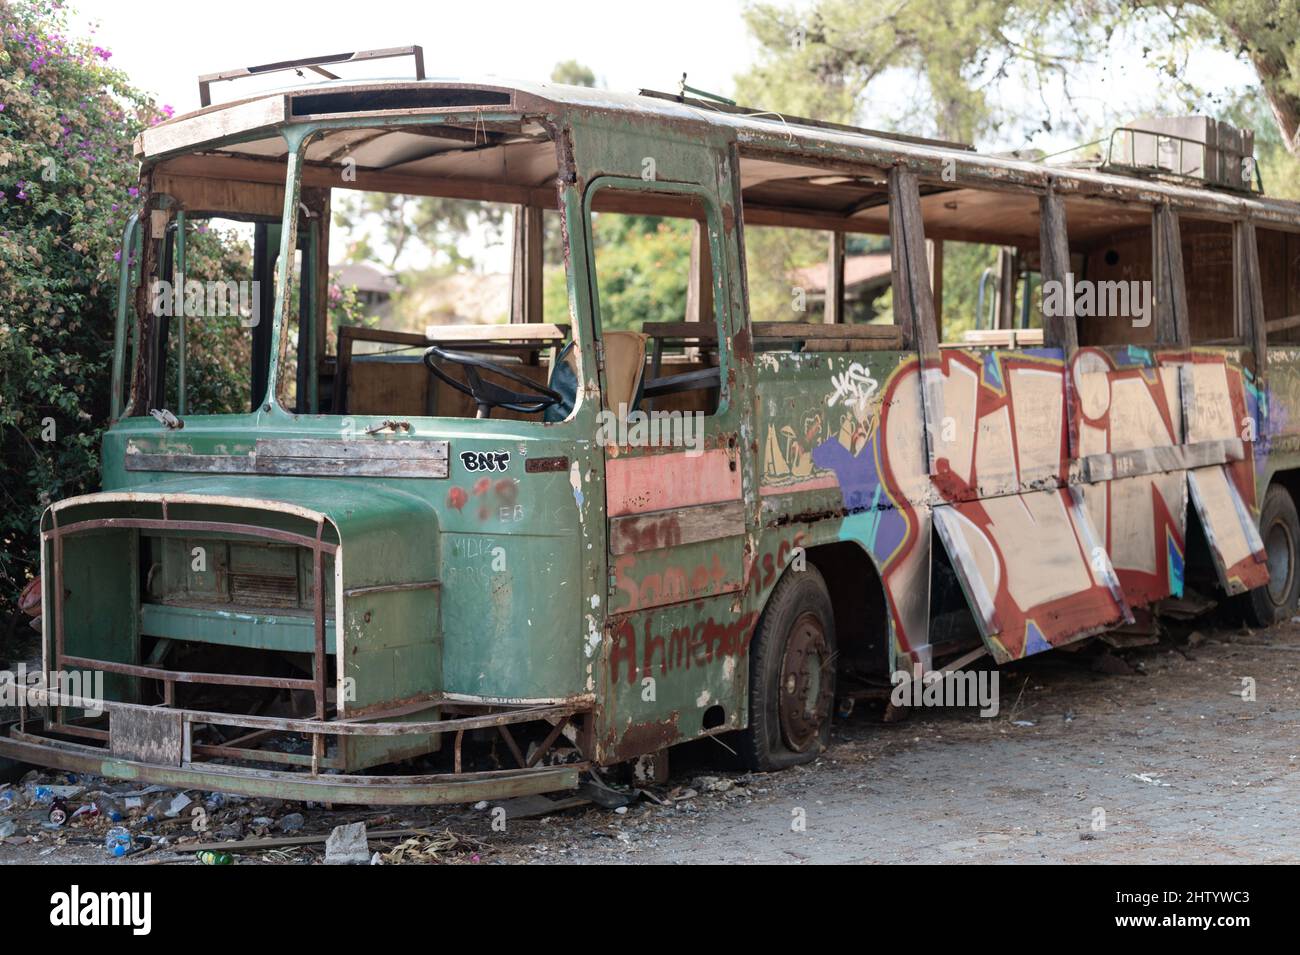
822	59
962	69
67	184
573	73
642	268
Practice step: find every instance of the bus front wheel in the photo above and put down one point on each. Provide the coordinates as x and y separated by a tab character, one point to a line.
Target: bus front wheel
791	675
1279	528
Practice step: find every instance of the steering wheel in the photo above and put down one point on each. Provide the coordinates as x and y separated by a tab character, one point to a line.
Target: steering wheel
488	394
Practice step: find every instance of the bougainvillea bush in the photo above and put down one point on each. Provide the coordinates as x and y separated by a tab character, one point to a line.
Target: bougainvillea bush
67	185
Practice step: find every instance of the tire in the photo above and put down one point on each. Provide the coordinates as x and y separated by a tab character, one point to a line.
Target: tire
1279	527
791	675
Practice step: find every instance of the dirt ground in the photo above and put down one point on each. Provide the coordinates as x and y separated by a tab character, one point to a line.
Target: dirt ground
1159	738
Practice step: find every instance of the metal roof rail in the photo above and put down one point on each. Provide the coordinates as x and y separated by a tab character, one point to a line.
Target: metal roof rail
711	101
313	63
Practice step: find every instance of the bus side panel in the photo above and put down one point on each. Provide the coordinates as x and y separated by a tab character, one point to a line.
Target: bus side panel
1000	475
678	672
1218	410
1280	449
1123	403
829	464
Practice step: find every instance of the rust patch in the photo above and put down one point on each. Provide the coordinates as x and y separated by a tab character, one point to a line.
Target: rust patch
641	738
543	465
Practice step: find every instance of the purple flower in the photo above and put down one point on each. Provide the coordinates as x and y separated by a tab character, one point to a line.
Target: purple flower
168	111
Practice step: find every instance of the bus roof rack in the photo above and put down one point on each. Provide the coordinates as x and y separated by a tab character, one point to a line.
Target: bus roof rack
1198	150
314	63
718	104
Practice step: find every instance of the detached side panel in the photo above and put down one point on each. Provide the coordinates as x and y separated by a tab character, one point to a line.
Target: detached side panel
1032	569
1230	530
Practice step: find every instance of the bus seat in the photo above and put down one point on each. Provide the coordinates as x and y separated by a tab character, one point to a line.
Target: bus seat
564	379
624	369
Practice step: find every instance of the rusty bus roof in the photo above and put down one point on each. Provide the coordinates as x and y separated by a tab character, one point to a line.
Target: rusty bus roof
760	135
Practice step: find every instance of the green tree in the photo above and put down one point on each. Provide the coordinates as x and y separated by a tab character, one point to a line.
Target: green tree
68	181
382	226
969	61
573	73
822	59
218	349
773	254
1265	33
642	269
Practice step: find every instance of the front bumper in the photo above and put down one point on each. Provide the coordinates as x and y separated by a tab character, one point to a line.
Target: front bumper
152	744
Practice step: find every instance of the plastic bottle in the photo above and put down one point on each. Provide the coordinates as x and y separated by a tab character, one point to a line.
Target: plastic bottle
212	857
157	809
118	841
12	800
107	807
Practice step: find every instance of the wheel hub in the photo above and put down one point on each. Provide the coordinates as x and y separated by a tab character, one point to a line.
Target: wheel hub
806	689
1277	548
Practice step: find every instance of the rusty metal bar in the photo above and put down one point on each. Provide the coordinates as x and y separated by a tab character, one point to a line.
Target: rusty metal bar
319	660
522	714
169	677
215	527
247	739
87	732
183	676
318	611
267	756
343	788
313	63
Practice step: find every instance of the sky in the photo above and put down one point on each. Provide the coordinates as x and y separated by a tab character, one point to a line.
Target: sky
629	44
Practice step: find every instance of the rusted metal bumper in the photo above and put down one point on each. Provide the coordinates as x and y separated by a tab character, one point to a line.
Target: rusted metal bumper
153	745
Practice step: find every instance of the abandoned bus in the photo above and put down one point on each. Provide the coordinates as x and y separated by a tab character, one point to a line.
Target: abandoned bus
630	503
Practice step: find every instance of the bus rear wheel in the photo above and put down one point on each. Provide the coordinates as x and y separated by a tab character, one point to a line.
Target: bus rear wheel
1279	528
791	675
